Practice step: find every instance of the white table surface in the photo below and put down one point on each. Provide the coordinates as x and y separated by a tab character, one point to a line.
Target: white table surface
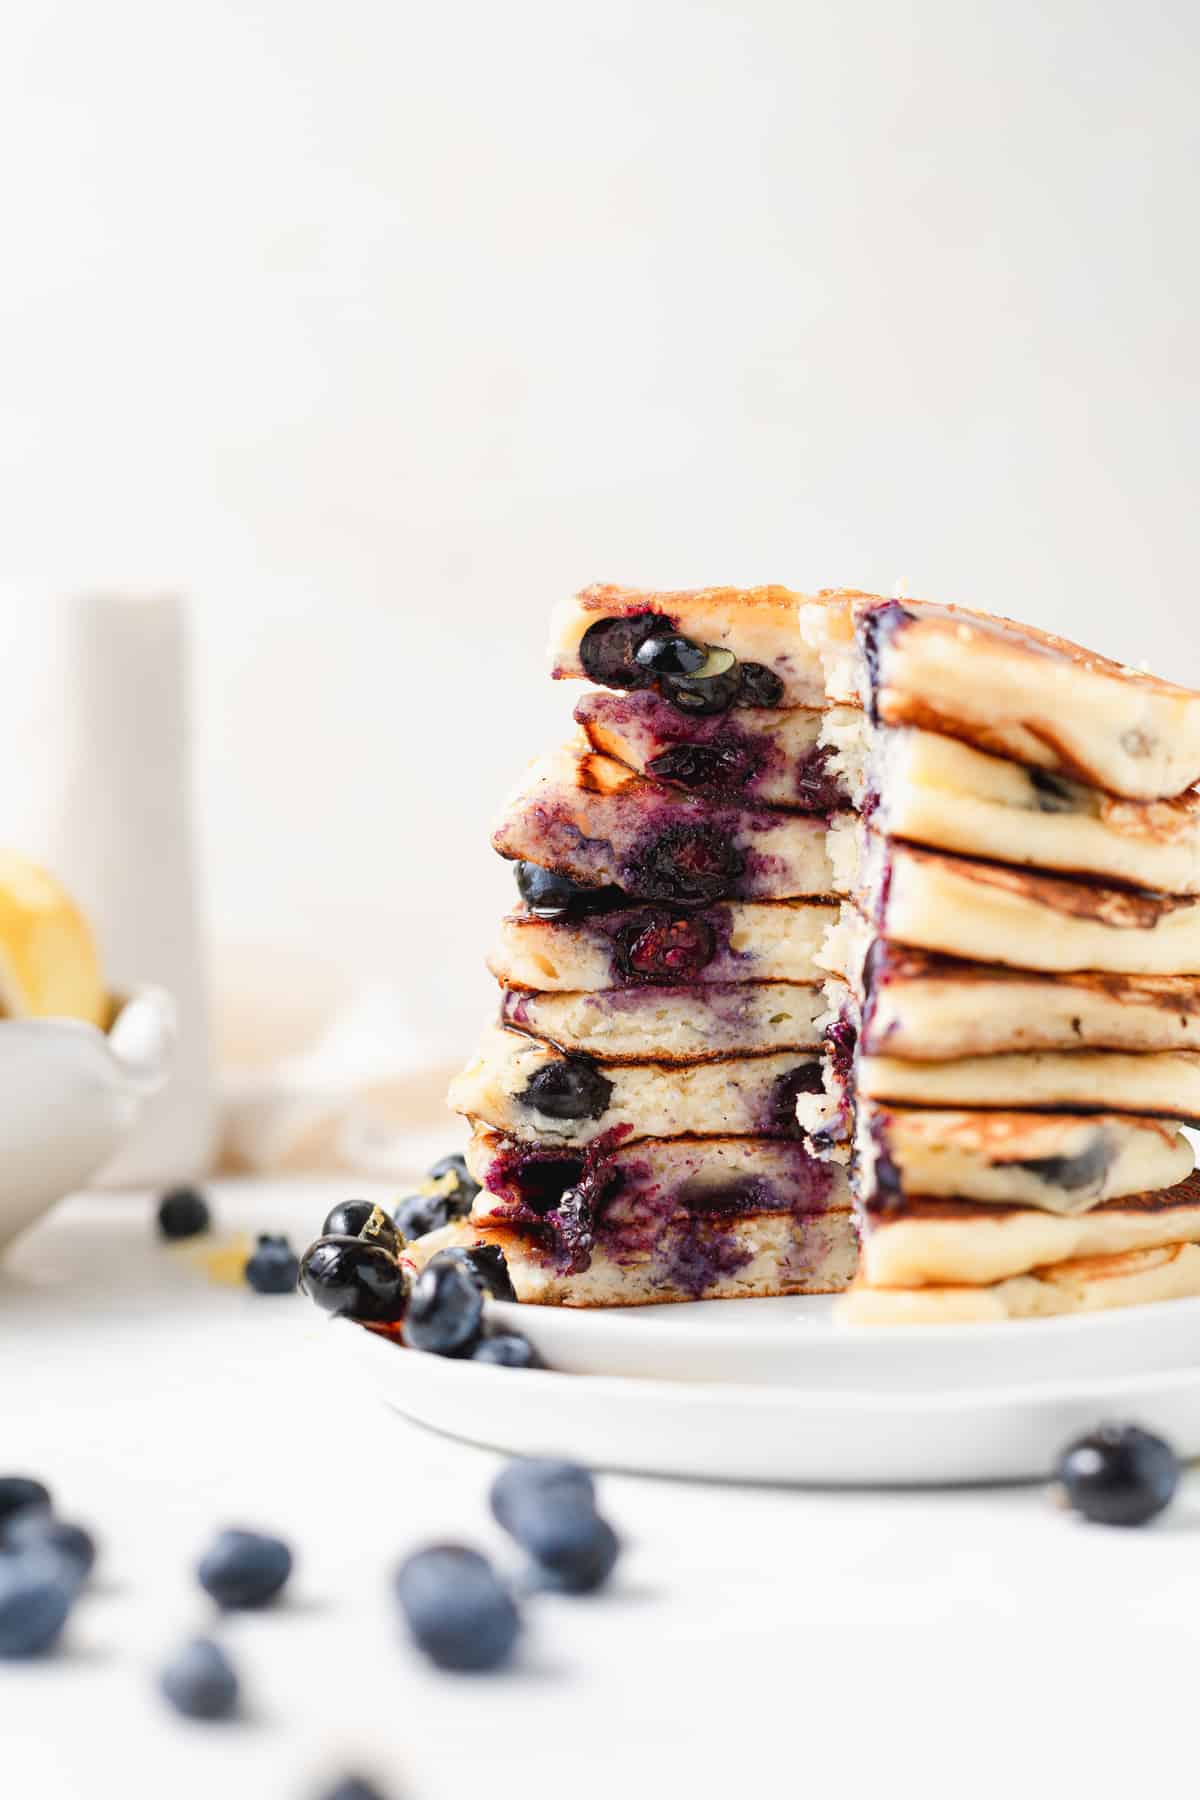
971	1643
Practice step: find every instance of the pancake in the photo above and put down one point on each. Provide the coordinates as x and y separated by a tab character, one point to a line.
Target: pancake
989	913
636	946
957	1242
1060	1162
523	1086
1086	1285
1159	1084
758	625
669	1177
1008	689
673	1024
747	755
939	792
590	818
924	1007
689	1259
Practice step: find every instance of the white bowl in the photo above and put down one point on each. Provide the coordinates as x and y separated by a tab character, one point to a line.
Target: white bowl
70	1096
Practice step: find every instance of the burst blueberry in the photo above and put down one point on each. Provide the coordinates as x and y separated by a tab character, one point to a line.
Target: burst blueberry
36	1594
273	1268
758	686
445	1310
1119	1475
200	1681
608	649
354	1280
243	1569
183	1213
457	1609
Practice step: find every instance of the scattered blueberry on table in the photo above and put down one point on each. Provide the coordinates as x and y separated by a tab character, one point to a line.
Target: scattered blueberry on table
244	1569
37	1591
183	1213
200	1681
1119	1475
273	1267
353	1787
539	1476
18	1491
34	1529
550	1509
457	1609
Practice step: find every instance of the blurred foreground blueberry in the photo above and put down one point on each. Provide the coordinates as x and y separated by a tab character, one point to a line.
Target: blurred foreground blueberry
274	1267
183	1213
574	1548
1119	1475
244	1568
457	1609
353	1788
17	1491
36	1593
530	1476
508	1349
200	1681
34	1529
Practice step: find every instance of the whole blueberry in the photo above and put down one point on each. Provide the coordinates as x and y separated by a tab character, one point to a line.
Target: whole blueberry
353	1280
454	1164
347	1218
713	688
457	1609
575	1549
608	649
668	654
547	894
1119	1475
353	1787
200	1681
274	1267
484	1263
445	1310
508	1349
537	1477
17	1491
569	1087
244	1568
758	686
420	1214
183	1213
36	1593
33	1529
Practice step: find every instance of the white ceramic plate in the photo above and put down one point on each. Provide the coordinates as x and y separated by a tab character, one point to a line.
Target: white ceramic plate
794	1342
888	1436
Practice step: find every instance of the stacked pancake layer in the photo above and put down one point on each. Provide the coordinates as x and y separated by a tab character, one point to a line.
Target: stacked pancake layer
1014	1024
633	1109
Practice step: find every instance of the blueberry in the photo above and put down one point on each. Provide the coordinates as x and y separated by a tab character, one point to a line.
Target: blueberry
570	1087
662	946
274	1267
347	1218
244	1568
445	1310
353	1280
36	1593
758	686
421	1214
457	1609
608	649
509	1350
1119	1475
353	1787
575	1549
666	654
485	1264
17	1491
713	688
686	862
183	1213
538	1477
200	1681
32	1529
454	1164
724	767
547	895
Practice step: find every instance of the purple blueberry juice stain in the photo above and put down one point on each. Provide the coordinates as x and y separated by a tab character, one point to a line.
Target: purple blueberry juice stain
877	630
779	1115
696	1257
685	862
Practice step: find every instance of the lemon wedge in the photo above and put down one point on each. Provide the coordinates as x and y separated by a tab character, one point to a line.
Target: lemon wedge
48	962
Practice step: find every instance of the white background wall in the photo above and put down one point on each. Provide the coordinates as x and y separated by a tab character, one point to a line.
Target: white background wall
379	326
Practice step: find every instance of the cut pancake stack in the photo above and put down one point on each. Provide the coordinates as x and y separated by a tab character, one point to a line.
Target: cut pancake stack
633	1108
1014	1023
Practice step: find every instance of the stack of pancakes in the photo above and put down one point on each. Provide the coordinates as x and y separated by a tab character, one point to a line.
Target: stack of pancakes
633	1109
1014	1019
